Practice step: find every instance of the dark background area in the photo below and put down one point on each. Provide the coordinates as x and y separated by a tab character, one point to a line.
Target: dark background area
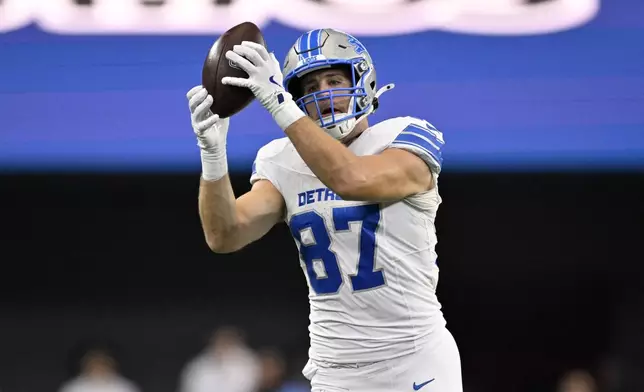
540	273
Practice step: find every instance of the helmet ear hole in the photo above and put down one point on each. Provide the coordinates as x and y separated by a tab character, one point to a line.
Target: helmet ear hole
375	101
375	104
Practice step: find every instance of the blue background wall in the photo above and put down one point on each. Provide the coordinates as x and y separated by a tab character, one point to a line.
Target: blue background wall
567	100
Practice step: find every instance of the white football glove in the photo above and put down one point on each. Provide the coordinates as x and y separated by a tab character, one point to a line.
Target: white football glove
264	80
211	134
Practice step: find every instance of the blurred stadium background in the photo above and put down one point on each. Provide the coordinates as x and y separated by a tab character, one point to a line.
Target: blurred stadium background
541	229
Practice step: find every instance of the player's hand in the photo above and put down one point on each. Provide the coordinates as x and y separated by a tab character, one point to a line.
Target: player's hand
264	74
211	134
264	80
208	127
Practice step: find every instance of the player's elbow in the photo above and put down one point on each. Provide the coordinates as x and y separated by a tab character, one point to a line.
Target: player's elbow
222	244
222	247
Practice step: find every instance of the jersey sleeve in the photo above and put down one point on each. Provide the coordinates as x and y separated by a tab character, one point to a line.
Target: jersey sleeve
265	166
261	169
257	175
422	139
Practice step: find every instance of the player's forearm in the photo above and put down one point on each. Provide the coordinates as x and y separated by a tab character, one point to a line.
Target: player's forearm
331	161
217	209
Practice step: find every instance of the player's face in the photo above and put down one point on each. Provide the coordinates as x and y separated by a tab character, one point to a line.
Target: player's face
323	80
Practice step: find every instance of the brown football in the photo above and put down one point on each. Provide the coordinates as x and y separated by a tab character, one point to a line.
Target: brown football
228	100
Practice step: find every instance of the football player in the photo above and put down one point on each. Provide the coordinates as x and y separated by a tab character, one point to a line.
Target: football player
360	200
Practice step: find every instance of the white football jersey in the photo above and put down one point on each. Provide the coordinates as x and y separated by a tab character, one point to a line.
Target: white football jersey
370	267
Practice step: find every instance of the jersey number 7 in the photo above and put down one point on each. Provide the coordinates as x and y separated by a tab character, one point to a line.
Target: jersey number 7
319	248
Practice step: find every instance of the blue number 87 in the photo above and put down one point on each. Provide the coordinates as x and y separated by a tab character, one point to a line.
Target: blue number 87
320	247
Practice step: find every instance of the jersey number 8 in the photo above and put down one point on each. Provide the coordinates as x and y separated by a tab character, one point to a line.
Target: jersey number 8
320	247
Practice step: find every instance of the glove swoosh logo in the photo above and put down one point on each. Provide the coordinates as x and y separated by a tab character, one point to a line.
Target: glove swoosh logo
272	80
418	386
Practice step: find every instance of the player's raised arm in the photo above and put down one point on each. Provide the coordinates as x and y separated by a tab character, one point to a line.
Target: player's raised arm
229	224
391	175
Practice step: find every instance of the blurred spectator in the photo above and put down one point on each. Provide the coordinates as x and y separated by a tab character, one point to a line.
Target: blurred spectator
273	374
99	373
226	365
577	381
273	370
